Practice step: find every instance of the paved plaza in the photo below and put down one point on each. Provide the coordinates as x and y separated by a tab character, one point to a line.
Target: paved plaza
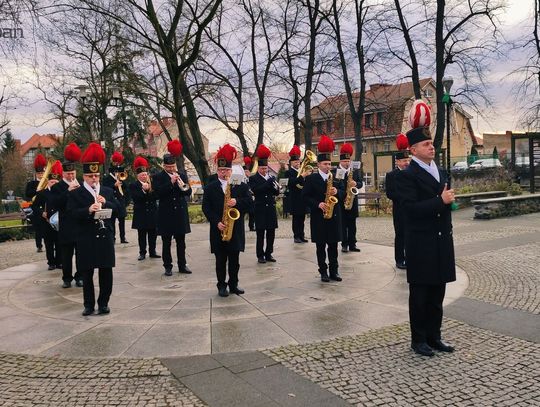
290	340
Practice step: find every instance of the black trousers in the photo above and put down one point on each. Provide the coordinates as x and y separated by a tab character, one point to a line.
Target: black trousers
121	228
399	239
67	249
38	235
180	240
251	221
332	258
298	226
143	234
426	311
105	287
348	228
52	249
270	235
233	258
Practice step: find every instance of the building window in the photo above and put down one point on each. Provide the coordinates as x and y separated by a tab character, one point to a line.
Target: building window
428	93
386	146
329	126
336	149
381	121
319	128
368	180
368	121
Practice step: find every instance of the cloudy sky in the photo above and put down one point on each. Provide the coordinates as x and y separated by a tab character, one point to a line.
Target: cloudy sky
34	118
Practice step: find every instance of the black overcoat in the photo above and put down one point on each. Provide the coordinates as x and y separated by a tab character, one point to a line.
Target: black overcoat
392	192
295	186
314	192
43	203
95	246
68	226
353	212
30	190
213	200
144	207
173	216
265	202
122	199
428	227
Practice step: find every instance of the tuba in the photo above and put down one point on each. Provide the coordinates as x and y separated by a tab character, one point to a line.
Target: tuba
329	199
45	178
230	215
351	192
309	157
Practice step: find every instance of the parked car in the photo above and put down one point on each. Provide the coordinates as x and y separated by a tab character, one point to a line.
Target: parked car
460	166
485	163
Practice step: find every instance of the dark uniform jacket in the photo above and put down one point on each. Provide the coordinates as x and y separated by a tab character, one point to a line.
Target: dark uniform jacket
428	227
213	201
44	203
95	246
109	182
144	207
295	186
392	192
314	192
68	225
265	202
353	212
30	190
173	208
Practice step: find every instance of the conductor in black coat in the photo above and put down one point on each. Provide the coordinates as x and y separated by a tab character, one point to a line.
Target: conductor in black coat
95	238
113	181
426	200
391	186
213	205
295	185
325	233
265	188
144	209
172	188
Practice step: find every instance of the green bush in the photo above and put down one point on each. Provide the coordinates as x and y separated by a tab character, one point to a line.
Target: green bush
15	233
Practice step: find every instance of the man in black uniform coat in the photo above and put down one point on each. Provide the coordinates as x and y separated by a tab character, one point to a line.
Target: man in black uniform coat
325	233
213	204
67	231
144	209
426	201
44	208
30	192
111	181
295	184
349	216
265	189
95	238
251	214
391	180
172	188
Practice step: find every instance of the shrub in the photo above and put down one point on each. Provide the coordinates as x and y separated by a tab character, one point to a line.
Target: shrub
15	233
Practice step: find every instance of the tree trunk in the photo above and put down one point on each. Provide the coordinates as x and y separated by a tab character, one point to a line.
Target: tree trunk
440	47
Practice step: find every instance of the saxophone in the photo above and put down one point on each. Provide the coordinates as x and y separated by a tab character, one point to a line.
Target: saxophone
351	192
230	215
329	200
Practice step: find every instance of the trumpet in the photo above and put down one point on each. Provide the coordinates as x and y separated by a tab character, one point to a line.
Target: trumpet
121	176
309	157
181	184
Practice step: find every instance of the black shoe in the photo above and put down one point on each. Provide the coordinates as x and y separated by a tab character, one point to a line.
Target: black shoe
422	348
87	311
184	270
344	249
402	265
261	259
51	268
325	278
252	229
304	240
66	284
222	292
236	290
271	259
141	257
103	310
40	249
124	241
79	283
441	346
155	256
335	277
296	240
168	272
354	249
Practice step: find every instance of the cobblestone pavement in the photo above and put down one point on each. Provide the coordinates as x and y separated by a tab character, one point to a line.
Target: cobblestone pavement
37	381
377	368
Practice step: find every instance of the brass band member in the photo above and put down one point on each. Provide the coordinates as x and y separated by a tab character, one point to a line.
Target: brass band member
351	180
402	162
220	201
265	188
295	185
144	209
318	192
30	192
67	232
113	181
426	200
248	163
95	237
172	188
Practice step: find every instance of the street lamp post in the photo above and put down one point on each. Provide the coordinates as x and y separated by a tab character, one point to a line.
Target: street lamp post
447	100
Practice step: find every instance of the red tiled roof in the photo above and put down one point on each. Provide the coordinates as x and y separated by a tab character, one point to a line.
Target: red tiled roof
39	140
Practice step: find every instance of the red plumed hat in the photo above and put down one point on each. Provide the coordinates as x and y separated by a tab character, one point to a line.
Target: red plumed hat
263	152
345	152
175	148
295	153
117	158
140	164
225	156
419	115
40	162
72	152
92	158
325	148
402	142
247	161
56	170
